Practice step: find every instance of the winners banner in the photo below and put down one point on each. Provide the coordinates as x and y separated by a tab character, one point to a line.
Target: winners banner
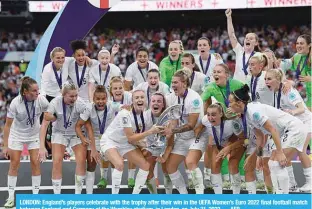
191	201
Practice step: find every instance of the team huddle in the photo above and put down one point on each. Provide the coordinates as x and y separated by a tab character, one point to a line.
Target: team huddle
248	128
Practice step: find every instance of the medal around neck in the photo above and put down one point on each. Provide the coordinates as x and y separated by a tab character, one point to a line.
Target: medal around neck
158	142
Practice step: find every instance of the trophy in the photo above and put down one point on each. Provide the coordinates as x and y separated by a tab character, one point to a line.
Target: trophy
158	142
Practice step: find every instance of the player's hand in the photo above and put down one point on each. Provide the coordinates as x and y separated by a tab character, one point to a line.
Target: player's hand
228	13
95	155
115	49
5	152
42	155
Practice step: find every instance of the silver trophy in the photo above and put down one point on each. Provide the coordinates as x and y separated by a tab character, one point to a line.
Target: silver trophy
158	142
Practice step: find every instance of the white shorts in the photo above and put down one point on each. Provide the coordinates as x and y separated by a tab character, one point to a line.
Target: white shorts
122	149
19	145
182	147
200	144
59	138
155	152
308	126
292	137
252	146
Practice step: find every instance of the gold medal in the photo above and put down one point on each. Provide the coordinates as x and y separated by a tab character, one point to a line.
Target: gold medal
246	142
100	137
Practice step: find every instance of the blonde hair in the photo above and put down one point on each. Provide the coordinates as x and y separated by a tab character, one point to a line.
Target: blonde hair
183	74
277	73
180	44
55	50
68	86
262	58
114	79
104	50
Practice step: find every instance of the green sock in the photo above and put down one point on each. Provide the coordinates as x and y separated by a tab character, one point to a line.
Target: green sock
225	166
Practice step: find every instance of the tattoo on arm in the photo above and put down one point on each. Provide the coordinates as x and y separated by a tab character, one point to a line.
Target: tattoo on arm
181	129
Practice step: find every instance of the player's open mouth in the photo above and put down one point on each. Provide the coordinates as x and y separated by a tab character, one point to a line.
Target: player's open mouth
247	44
140	104
156	107
202	51
216	78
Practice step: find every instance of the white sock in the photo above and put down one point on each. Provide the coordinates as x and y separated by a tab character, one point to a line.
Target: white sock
178	181
168	184
104	172
216	181
197	178
156	171
307	173
79	181
140	181
90	182
188	174
207	173
279	176
11	186
236	183
131	173
151	185
226	177
251	187
259	175
116	181
57	184
292	180
36	181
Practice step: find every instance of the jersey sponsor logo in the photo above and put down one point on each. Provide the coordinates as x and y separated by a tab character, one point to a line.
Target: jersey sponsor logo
236	125
292	96
124	120
196	103
207	80
256	116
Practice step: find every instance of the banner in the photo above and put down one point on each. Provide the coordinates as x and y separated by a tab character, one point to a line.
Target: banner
129	201
173	5
17	56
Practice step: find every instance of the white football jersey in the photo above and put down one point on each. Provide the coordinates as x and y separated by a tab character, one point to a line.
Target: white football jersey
100	77
239	73
115	130
199	82
162	87
203	66
258	114
83	92
94	116
192	104
136	75
290	100
73	113
26	127
49	84
262	92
